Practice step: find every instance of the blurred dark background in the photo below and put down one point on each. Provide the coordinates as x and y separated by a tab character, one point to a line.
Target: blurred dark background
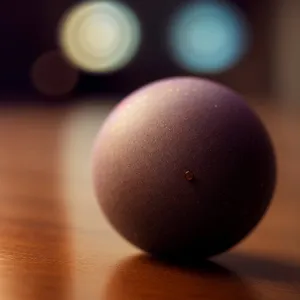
33	61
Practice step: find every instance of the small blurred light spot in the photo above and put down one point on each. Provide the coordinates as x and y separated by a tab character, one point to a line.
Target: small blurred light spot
100	37
208	36
52	75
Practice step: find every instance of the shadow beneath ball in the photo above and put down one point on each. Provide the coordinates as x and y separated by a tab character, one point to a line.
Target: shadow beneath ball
261	268
144	277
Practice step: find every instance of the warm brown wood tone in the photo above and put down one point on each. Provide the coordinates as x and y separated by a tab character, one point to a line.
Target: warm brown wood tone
56	244
34	244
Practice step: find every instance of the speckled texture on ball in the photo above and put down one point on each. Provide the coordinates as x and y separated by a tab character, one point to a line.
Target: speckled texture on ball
182	167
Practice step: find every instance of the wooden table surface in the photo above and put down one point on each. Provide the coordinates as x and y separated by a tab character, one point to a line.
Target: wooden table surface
56	244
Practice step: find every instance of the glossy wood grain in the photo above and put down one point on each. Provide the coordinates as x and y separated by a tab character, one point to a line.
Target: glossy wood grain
56	244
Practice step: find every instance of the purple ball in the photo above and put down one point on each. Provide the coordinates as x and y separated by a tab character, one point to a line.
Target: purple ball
183	168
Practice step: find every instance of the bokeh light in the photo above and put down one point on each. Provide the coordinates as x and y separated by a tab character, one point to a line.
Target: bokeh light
52	75
208	36
100	37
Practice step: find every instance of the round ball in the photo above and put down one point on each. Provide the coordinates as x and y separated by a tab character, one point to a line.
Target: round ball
183	168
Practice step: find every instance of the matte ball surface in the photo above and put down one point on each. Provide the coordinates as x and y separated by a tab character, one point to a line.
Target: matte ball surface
183	168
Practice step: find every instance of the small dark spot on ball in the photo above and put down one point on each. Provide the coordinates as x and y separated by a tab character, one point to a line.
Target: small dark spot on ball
189	176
